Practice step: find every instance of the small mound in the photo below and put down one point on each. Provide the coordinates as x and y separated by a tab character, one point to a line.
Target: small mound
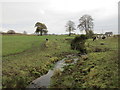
49	45
69	61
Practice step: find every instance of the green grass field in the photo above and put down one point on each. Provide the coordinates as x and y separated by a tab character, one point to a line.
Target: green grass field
16	44
26	58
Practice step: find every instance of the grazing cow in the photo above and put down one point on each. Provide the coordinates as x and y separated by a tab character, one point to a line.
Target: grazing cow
103	37
99	37
94	38
46	39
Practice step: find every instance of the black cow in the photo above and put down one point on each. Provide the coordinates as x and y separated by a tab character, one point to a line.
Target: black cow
94	38
103	37
46	39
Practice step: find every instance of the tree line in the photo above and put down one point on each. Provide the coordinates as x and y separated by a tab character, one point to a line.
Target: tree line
85	23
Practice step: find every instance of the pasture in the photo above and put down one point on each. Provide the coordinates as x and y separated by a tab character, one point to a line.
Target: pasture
26	58
18	43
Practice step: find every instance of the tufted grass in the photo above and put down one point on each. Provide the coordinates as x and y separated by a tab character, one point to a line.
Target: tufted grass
100	70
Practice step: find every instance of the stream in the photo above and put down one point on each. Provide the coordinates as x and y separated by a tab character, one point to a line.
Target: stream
44	81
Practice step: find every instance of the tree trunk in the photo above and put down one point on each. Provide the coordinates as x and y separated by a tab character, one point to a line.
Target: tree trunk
87	31
41	33
69	33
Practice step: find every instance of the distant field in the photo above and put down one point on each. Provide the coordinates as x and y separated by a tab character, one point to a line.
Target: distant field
19	43
16	44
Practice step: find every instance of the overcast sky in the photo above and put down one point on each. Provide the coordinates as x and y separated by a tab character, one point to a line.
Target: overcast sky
22	15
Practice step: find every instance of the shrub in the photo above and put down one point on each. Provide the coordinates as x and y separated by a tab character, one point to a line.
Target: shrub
90	34
15	82
78	43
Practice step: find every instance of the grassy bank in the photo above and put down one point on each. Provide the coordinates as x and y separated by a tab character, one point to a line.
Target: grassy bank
100	70
27	57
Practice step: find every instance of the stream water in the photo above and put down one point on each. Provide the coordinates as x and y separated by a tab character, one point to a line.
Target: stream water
44	81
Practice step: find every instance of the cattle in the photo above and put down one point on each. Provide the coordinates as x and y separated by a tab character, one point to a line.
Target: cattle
103	37
99	37
46	39
94	38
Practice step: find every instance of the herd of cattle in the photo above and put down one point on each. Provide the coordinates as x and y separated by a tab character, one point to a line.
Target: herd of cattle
99	37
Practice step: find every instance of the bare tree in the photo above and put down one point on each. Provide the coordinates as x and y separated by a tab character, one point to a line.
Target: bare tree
70	26
86	23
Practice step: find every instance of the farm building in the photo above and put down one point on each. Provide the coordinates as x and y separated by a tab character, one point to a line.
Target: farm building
109	33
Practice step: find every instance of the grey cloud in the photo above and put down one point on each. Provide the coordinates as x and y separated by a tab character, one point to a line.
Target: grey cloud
23	16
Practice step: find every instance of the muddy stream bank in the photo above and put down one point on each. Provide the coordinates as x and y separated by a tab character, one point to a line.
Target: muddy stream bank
44	81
